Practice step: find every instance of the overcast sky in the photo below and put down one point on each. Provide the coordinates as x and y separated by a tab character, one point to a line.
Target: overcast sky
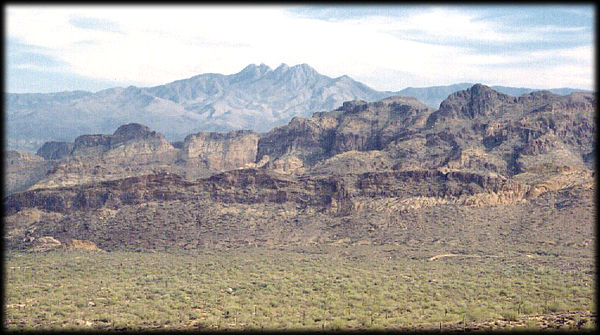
57	48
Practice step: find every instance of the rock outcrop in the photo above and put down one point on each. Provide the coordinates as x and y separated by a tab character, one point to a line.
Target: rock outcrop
23	170
309	140
265	185
219	152
477	129
46	243
55	150
168	210
87	145
477	101
374	126
128	140
135	150
506	135
356	126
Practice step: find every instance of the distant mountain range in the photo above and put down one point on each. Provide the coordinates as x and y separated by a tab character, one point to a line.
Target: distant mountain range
432	96
257	98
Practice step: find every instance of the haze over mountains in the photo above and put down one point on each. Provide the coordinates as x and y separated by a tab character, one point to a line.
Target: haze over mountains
257	98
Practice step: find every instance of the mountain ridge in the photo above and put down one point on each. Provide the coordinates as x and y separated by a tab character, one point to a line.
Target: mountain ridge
257	98
477	129
382	173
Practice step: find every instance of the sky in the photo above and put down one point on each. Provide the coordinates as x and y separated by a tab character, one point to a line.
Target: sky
64	48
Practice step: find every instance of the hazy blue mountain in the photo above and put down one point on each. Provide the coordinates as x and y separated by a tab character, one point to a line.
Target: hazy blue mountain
260	98
257	98
432	96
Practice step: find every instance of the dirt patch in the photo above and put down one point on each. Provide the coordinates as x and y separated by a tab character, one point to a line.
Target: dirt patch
81	245
559	320
436	257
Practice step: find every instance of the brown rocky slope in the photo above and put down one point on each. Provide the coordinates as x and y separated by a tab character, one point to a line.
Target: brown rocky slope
483	172
132	150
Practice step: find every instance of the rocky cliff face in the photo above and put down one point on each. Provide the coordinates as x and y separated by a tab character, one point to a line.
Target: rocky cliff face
87	145
55	150
485	130
220	152
374	126
356	126
255	205
133	150
364	169
477	101
477	129
129	139
302	141
23	170
265	185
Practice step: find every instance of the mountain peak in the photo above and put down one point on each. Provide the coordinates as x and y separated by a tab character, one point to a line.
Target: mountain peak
253	71
280	71
479	89
478	100
304	68
344	78
252	67
282	67
132	131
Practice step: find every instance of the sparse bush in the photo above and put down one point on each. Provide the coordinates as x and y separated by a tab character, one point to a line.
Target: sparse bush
528	308
590	324
475	313
127	288
510	315
557	307
531	324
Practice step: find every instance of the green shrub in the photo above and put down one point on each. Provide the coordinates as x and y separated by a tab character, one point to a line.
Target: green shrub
531	324
528	308
557	307
510	315
475	313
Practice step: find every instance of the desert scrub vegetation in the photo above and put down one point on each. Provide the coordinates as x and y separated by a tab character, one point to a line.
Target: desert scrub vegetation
257	288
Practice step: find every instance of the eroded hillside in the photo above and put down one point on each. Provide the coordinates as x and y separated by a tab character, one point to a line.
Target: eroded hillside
485	171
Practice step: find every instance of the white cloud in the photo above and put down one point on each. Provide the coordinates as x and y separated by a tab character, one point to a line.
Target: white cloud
155	45
452	24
